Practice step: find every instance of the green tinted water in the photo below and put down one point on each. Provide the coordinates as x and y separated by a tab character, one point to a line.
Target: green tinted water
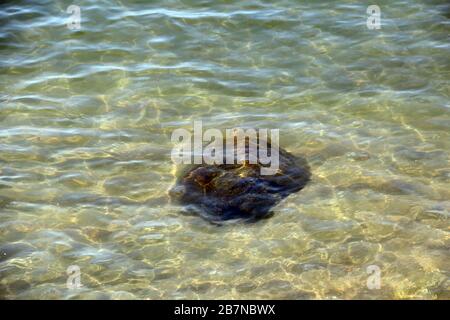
85	124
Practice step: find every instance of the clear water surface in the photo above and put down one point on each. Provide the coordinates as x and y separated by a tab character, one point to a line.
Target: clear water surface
85	123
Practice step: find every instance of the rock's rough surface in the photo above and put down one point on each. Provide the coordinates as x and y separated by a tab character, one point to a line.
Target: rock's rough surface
239	191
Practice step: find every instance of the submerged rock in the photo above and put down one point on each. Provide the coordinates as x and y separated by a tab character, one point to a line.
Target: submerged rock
239	191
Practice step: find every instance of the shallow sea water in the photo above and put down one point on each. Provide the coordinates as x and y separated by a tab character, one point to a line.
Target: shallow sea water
85	123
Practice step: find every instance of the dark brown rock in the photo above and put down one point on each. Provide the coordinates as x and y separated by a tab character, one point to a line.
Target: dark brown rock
239	191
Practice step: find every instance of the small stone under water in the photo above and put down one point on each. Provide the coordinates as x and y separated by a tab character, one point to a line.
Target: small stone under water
238	191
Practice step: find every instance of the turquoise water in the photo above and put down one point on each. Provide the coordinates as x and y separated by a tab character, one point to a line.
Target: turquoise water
85	122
